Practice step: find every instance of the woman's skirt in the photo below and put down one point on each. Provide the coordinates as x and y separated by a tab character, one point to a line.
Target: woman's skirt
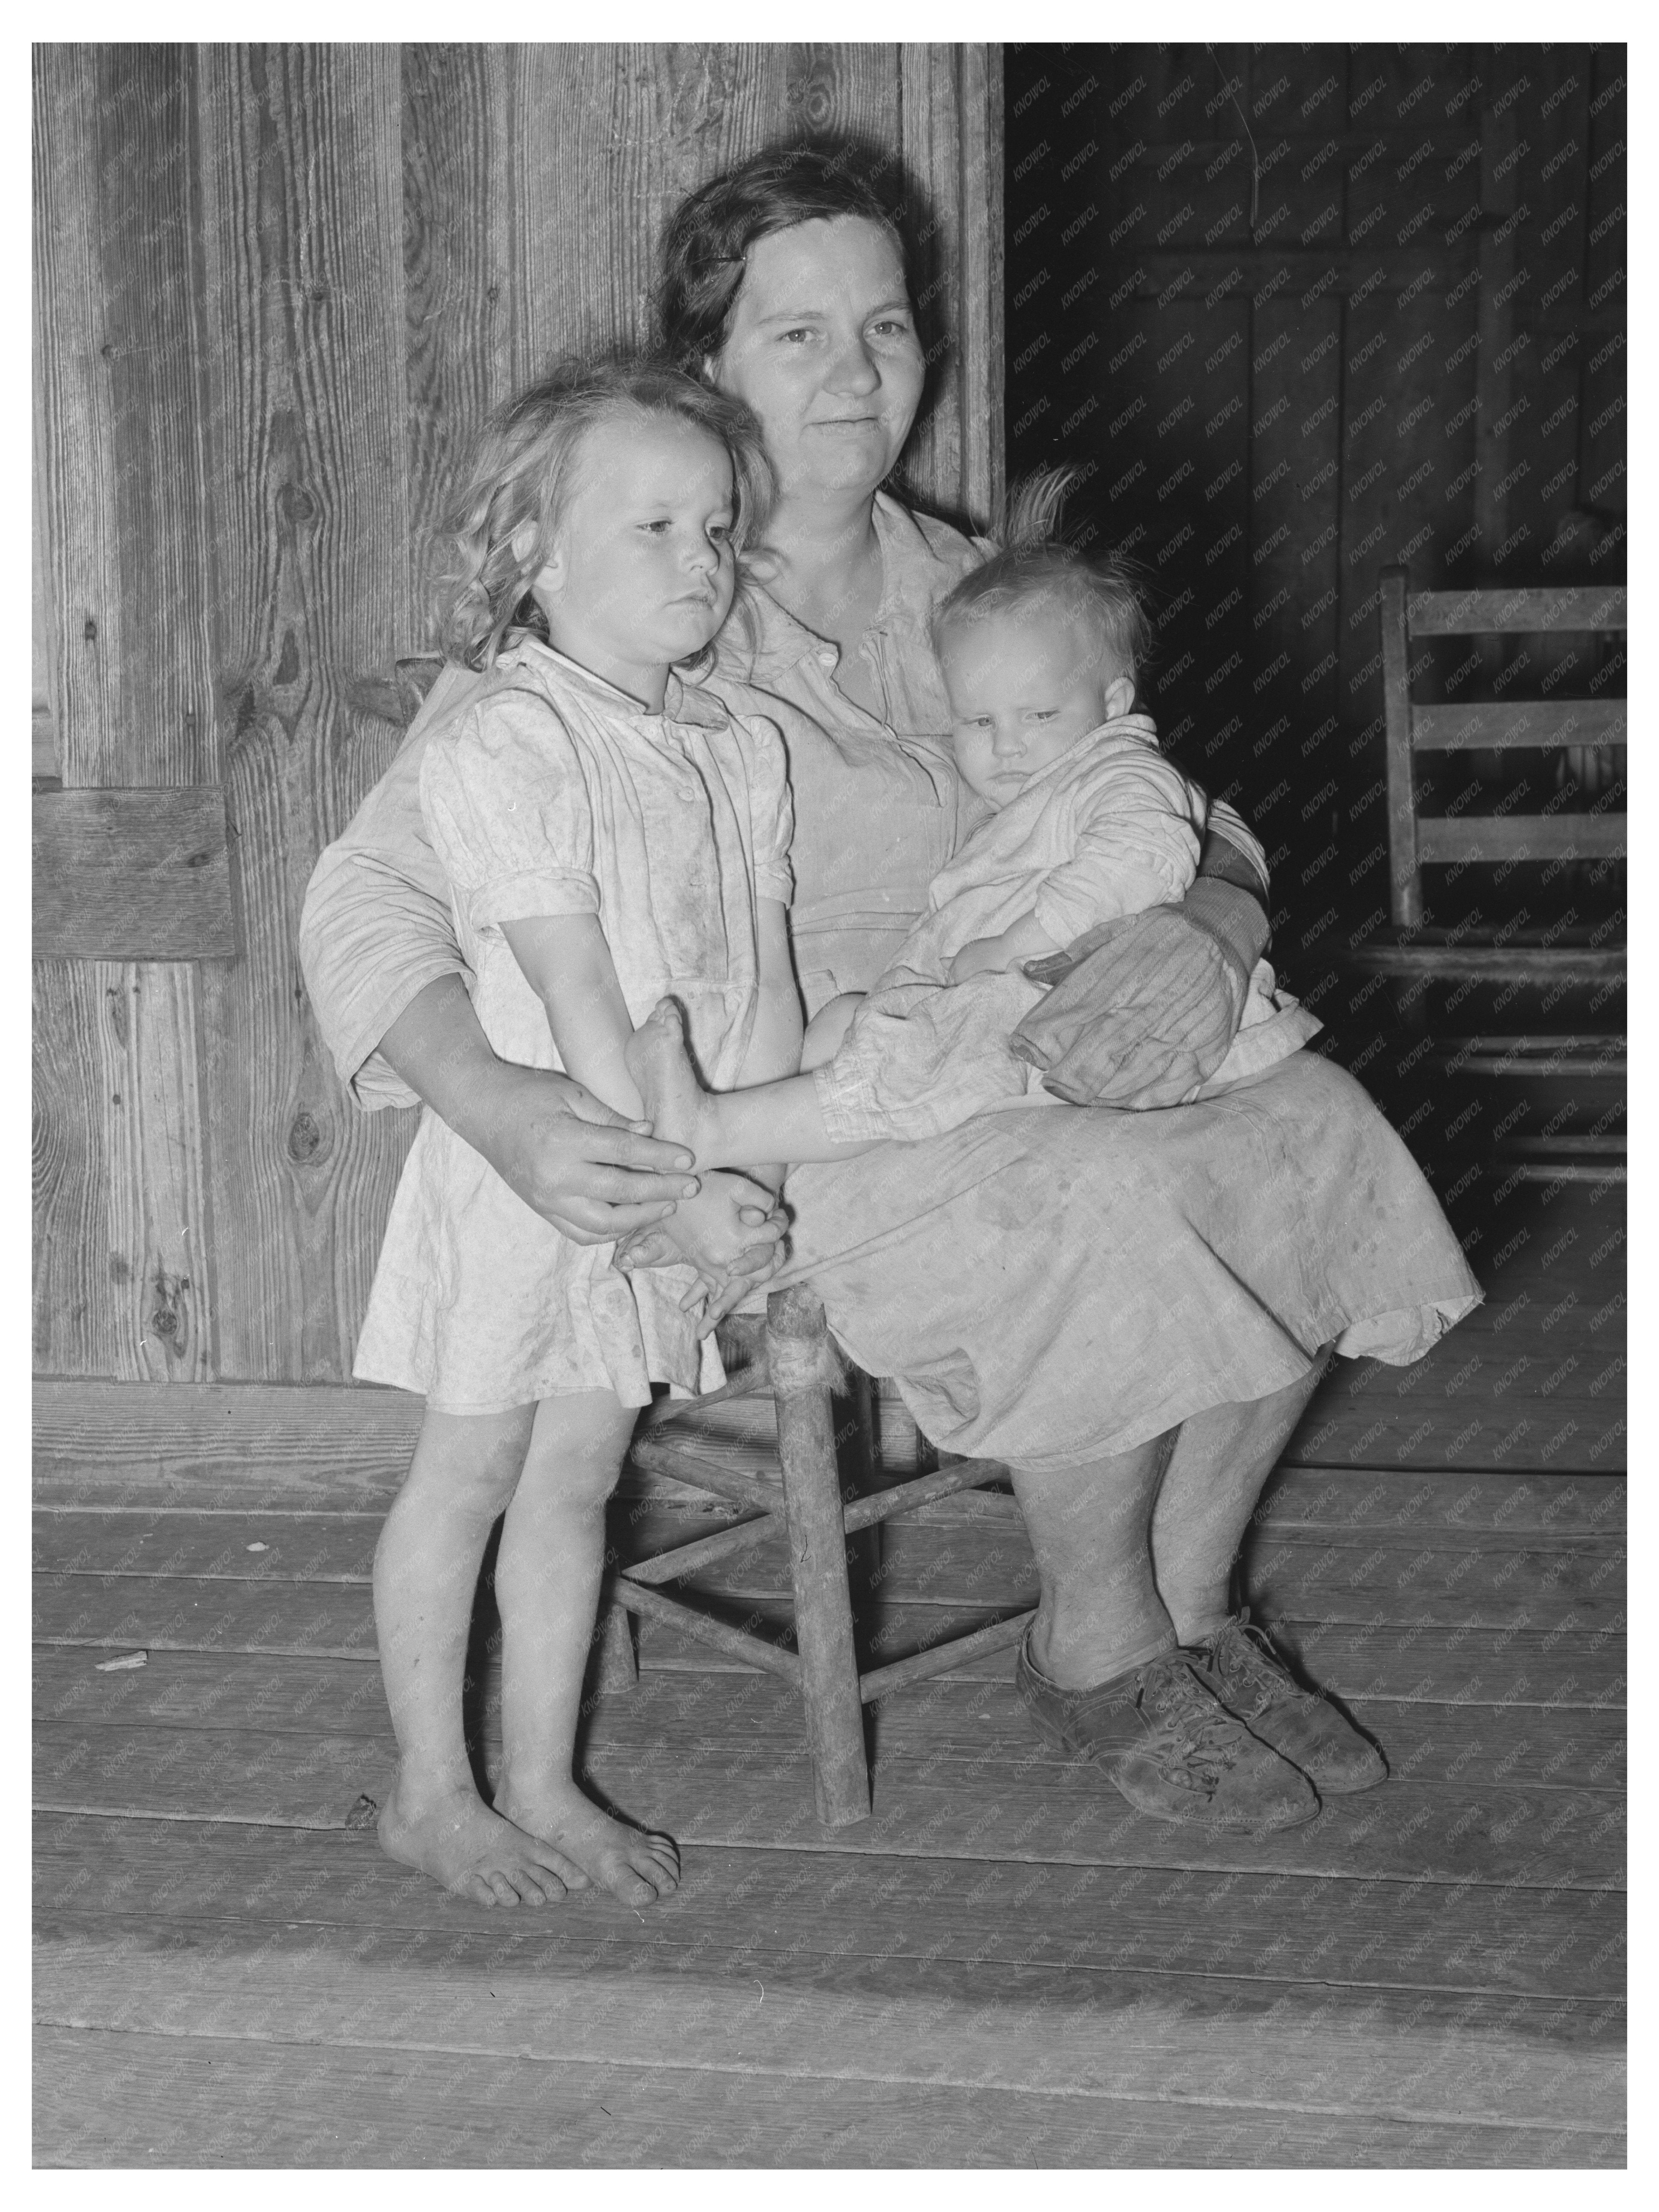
1049	1285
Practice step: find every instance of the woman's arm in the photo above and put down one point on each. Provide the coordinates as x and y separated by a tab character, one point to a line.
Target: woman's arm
569	1157
387	984
1145	1009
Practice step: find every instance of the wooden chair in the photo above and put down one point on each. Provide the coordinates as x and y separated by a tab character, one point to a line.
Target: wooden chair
1572	958
803	1371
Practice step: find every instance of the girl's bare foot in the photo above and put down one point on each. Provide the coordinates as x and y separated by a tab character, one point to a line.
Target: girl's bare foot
635	1866
680	1110
454	1835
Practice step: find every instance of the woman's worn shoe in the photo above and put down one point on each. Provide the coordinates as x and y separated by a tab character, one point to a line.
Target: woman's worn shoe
1170	1746
1240	1665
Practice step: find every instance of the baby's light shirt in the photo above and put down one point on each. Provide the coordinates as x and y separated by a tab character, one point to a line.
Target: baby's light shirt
1110	828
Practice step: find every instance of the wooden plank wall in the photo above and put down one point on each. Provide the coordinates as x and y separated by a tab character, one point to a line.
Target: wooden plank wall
1413	352
275	288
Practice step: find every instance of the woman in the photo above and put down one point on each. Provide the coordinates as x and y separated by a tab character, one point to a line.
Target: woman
1131	1308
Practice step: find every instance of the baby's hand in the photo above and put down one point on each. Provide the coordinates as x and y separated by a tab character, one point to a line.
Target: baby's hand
985	956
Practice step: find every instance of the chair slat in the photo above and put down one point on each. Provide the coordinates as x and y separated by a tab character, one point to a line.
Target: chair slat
1468	614
1530	722
1522	837
1482	963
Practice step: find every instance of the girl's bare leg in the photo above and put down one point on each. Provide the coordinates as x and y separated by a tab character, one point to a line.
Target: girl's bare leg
547	1586
426	1571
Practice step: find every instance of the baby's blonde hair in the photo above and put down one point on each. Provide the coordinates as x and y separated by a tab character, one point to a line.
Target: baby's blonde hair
500	531
1032	565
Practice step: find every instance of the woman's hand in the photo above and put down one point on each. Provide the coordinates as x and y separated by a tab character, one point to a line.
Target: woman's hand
1143	1010
591	1173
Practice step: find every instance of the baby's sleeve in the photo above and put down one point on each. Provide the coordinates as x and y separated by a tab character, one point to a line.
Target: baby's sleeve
507	808
1130	833
771	807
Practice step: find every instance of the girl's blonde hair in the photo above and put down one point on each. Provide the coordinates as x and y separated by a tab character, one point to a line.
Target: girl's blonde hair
1032	563
500	530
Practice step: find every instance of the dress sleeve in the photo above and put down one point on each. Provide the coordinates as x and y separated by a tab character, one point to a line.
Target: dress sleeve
507	805
771	807
376	927
1229	824
1132	832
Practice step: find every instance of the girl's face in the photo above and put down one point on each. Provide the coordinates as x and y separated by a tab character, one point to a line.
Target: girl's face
823	346
1023	687
641	571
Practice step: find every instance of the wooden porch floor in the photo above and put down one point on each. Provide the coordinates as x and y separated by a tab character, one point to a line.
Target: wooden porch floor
1005	1965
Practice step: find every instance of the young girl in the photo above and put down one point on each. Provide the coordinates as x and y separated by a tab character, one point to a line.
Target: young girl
610	835
1038	649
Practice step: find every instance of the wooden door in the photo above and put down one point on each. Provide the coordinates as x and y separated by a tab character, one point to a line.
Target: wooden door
275	288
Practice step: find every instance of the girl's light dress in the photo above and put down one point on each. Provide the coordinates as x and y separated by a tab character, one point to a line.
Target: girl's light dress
551	793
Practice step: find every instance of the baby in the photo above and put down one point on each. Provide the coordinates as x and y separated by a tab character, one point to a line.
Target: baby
1039	648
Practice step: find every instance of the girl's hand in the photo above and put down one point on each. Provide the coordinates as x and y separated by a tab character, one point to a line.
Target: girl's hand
733	1233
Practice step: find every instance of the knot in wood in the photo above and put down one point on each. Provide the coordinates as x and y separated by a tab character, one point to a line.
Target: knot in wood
305	1138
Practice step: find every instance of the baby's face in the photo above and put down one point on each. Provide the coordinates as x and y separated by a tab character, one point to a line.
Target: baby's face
1024	685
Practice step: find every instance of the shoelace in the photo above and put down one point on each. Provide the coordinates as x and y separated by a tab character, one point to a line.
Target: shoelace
1243	1657
1190	1728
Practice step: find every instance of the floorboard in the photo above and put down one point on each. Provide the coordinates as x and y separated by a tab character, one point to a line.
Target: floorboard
114	2099
788	1909
1005	1965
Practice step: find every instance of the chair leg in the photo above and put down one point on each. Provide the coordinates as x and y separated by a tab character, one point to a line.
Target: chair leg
804	1369
618	1667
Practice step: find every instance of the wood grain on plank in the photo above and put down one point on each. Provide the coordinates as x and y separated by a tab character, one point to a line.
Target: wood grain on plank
236	1447
121	348
124	2098
78	1319
760	1794
954	1722
122	485
1453	2057
1363	1657
123	1257
301	259
465	344
132	875
737	1907
1490	1580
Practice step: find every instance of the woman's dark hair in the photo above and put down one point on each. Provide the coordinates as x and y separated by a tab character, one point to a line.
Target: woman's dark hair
709	237
500	529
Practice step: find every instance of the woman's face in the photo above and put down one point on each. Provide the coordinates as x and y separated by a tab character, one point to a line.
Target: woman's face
823	346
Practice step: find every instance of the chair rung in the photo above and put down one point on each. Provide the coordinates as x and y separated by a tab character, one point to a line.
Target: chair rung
750	1382
906	1497
1569	1171
1463	963
736	1643
1528	726
957	1652
703	1551
1530	1066
1475	613
1544	1148
699	1473
1483	837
